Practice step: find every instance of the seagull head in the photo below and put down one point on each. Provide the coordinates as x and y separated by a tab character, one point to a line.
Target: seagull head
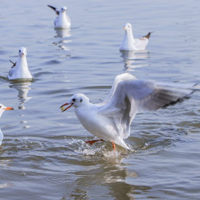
76	100
3	108
127	27
22	51
63	9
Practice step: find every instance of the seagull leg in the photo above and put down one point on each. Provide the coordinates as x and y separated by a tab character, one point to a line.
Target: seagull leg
91	142
114	147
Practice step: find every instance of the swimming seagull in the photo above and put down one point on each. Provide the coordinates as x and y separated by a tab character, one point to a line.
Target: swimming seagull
20	69
110	120
2	109
129	43
62	20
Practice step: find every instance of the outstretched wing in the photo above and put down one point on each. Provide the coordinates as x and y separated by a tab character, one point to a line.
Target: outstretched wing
133	96
55	9
119	78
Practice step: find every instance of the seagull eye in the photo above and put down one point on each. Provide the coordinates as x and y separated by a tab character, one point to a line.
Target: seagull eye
19	51
73	100
81	100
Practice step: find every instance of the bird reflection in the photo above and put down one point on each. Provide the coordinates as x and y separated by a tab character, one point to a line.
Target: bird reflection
63	33
111	178
22	89
134	59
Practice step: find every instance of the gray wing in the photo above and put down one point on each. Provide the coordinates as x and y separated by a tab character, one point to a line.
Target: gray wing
141	43
133	96
11	72
55	9
118	78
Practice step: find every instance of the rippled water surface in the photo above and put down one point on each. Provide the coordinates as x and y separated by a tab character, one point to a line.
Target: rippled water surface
44	155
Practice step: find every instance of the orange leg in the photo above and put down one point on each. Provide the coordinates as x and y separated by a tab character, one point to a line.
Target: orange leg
114	147
91	142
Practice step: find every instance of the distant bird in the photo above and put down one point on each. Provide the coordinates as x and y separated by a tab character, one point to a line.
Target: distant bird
110	120
20	69
2	109
62	20
129	43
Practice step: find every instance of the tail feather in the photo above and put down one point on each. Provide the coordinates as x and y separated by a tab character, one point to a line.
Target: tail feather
121	143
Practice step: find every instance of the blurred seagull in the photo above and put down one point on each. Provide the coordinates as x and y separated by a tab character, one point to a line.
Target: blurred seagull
2	109
20	70
110	120
129	43
62	20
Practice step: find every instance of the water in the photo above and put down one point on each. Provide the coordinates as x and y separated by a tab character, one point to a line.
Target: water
44	155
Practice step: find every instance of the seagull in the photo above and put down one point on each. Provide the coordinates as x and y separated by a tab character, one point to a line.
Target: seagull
129	43
110	120
20	70
2	109
62	21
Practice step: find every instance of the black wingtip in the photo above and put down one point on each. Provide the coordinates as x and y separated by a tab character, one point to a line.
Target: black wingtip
179	100
52	7
148	35
14	63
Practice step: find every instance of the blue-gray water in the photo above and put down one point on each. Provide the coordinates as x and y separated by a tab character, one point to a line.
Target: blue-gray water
43	155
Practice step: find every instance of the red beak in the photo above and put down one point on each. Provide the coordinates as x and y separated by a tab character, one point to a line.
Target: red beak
8	108
63	106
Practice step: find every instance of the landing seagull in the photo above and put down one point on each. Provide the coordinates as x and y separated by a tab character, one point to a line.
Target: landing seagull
20	69
110	120
2	109
62	21
129	43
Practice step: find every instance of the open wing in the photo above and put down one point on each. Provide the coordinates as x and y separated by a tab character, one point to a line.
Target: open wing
133	96
119	78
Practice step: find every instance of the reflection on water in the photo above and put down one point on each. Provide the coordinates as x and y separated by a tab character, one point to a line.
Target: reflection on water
6	185
62	33
45	165
22	89
109	178
135	59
